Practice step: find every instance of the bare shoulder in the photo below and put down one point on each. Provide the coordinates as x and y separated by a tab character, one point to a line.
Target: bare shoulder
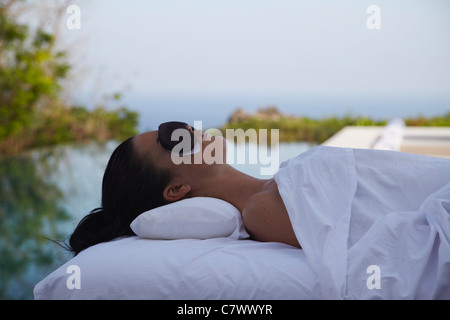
266	218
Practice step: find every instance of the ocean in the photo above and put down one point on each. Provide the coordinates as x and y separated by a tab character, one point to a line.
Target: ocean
215	110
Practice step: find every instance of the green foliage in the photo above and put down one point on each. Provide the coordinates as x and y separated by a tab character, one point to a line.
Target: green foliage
32	112
319	130
28	72
439	121
301	128
64	125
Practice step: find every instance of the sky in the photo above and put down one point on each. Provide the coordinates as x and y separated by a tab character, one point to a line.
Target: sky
268	50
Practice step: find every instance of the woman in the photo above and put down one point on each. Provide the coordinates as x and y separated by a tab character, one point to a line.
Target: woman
141	175
371	223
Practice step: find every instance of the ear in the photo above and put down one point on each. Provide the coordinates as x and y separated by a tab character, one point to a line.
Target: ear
175	192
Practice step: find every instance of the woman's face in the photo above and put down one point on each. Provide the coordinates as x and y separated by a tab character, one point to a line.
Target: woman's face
211	155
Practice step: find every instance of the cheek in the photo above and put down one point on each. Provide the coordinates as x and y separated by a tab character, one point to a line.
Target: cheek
224	148
166	162
215	151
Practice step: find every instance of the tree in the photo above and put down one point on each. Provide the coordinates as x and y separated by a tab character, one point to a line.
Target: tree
29	75
32	110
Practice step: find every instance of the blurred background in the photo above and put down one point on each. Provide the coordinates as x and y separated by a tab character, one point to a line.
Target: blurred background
77	77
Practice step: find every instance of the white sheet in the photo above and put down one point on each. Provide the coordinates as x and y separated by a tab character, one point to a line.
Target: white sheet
354	209
222	268
350	209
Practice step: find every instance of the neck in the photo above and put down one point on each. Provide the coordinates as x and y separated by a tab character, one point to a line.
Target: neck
232	186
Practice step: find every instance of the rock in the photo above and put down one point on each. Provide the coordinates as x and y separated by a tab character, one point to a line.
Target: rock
238	116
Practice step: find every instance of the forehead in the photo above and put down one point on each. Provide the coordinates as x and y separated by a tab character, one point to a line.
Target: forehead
145	141
146	136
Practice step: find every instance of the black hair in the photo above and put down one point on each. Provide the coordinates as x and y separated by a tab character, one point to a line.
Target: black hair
131	185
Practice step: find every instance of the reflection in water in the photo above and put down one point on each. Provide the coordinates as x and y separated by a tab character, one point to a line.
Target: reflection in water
36	190
28	211
43	195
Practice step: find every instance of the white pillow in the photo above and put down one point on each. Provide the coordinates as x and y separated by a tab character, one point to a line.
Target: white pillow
194	218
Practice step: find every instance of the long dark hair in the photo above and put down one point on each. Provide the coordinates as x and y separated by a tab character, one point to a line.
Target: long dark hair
131	185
